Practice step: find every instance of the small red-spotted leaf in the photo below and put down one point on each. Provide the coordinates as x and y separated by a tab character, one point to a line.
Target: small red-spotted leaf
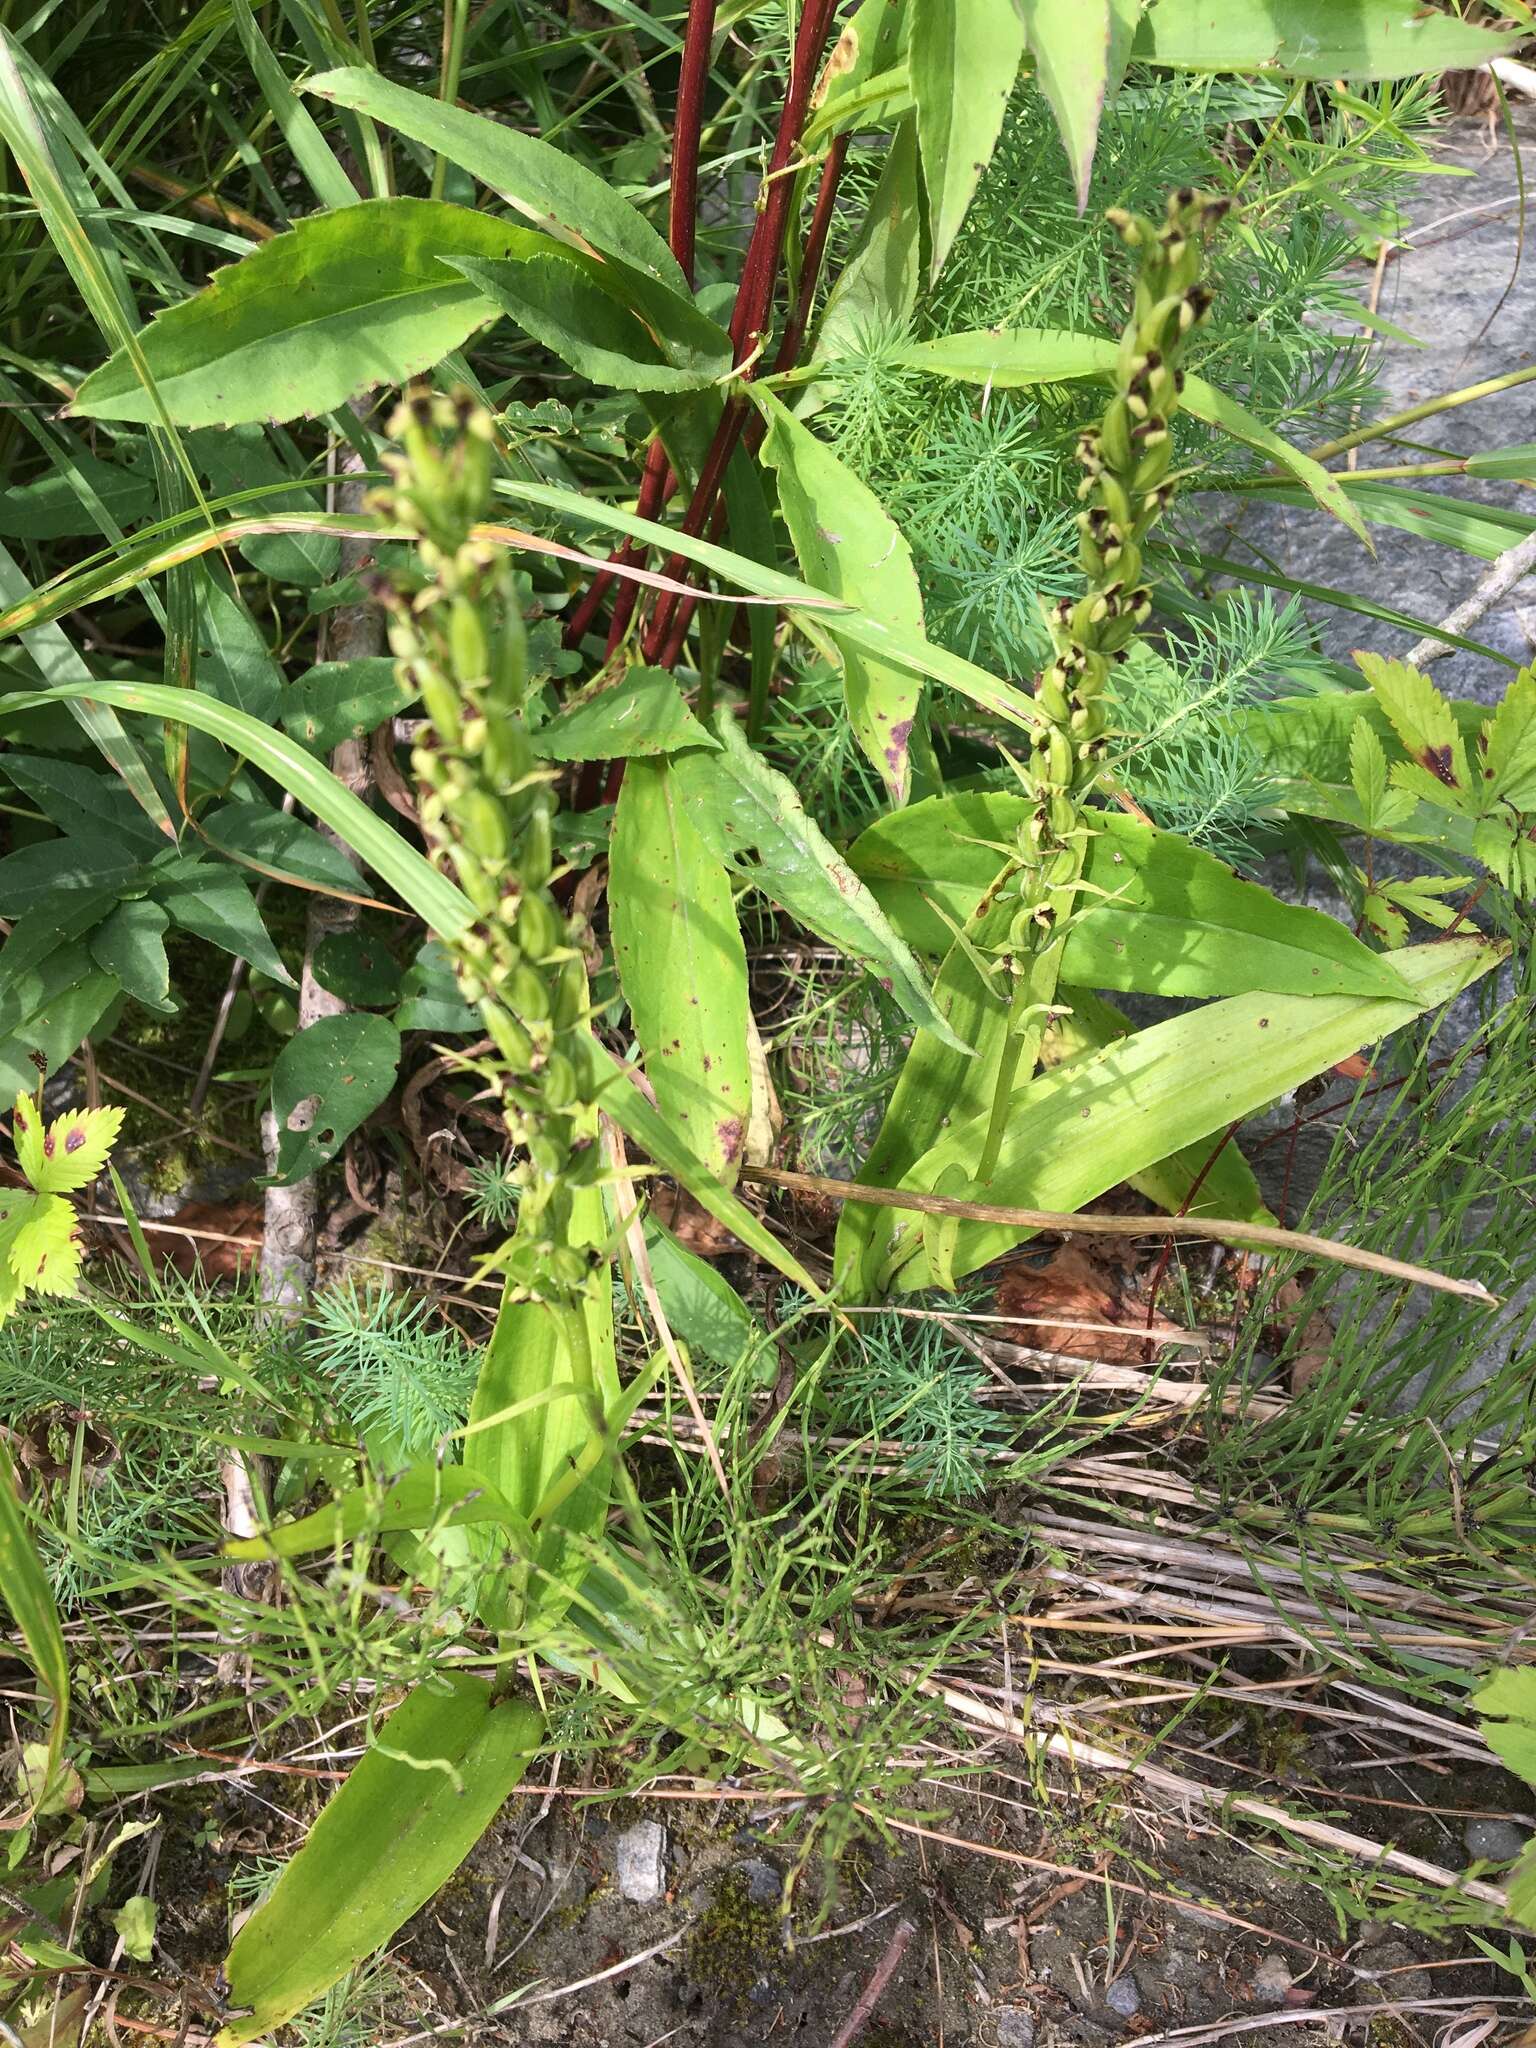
41	1244
1436	768
70	1153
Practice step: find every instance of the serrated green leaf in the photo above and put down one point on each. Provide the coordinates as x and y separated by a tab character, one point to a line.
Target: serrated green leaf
643	713
1507	846
1521	1892
1508	745
1077	1131
1425	723
848	545
963	58
1080	49
424	1792
753	820
682	965
1356	39
326	1080
38	1243
72	1150
342	303
1505	1705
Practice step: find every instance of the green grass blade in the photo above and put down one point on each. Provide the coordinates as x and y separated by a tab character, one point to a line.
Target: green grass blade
30	1599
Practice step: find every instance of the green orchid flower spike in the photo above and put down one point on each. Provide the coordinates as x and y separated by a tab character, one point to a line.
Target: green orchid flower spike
39	1237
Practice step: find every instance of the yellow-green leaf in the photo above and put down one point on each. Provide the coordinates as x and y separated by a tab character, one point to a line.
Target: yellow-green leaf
682	965
433	1780
848	545
1079	1130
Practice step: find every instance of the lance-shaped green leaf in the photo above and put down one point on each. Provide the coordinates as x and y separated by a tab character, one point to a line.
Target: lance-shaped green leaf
1010	357
682	965
427	1496
1358	39
963	59
644	713
1079	1130
343	302
25	1591
432	895
1158	916
425	1791
545	185
1080	49
751	818
848	545
609	323
1208	1178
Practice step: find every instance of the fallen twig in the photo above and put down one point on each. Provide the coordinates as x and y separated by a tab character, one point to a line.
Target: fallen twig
1096	1224
875	1989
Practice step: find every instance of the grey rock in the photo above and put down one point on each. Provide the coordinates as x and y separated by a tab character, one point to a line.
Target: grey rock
1494	1841
1271	1980
640	1862
1123	1998
763	1882
1393	1973
1015	2027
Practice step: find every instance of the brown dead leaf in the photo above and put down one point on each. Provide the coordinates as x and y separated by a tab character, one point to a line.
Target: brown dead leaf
693	1227
1308	1348
1084	1287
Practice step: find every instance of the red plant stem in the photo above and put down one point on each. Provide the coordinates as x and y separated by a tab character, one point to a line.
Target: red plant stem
658	483
687	129
671	648
656	486
754	295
